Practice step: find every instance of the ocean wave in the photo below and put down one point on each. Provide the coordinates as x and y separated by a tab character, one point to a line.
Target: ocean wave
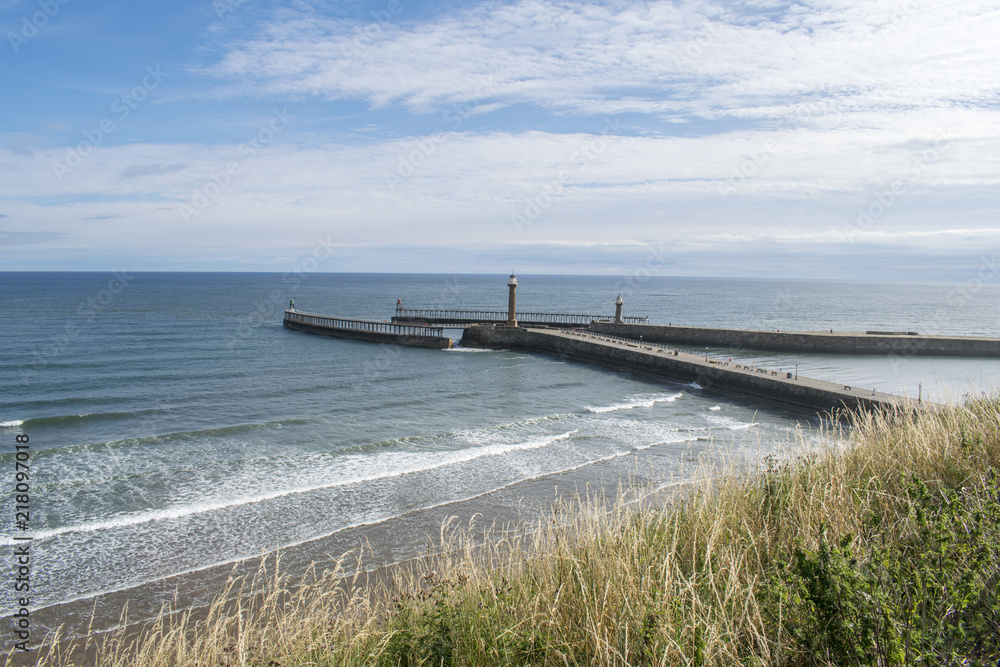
720	422
740	427
85	417
417	463
232	429
154	439
664	441
339	529
73	420
635	402
474	436
724	427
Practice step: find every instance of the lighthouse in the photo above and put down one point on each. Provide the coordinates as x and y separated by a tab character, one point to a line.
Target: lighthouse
512	301
618	309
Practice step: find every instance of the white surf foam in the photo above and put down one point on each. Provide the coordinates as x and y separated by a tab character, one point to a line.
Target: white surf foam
635	402
417	463
740	427
730	424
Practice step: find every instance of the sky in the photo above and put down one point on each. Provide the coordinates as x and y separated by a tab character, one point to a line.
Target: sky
819	139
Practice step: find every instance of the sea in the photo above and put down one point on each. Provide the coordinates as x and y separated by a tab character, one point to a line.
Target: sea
176	432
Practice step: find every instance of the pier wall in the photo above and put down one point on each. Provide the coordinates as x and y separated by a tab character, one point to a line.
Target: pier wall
722	377
435	342
799	341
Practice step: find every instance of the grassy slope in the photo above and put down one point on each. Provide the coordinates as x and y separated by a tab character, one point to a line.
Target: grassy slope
884	550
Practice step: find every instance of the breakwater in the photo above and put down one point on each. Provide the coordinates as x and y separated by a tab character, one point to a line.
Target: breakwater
719	376
413	335
895	343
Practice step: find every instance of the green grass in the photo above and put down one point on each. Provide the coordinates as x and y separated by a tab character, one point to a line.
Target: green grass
881	549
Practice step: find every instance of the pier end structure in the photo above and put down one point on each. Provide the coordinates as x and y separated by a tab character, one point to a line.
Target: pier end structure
819	342
718	376
512	300
618	309
412	335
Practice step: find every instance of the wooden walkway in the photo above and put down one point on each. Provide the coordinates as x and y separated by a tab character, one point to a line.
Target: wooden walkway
464	318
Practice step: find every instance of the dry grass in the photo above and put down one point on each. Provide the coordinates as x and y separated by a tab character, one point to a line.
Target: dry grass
593	583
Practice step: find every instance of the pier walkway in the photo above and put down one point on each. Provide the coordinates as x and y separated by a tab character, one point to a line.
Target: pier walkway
726	377
464	318
415	335
896	343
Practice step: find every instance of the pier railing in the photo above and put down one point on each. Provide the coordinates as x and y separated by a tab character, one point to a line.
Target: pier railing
471	316
363	325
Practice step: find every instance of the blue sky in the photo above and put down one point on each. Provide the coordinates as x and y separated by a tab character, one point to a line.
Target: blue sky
827	139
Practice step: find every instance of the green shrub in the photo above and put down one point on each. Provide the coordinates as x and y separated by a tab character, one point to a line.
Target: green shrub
931	597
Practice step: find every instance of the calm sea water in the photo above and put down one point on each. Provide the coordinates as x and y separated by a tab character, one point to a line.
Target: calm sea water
177	427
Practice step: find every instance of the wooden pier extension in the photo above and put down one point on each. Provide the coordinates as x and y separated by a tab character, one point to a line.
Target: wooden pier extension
725	377
414	335
464	318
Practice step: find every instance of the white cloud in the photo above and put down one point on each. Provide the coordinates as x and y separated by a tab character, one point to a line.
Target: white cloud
806	186
814	129
819	62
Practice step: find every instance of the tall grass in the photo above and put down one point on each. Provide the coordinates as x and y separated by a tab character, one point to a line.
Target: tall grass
881	548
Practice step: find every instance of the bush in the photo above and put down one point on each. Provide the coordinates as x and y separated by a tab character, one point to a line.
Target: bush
931	597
